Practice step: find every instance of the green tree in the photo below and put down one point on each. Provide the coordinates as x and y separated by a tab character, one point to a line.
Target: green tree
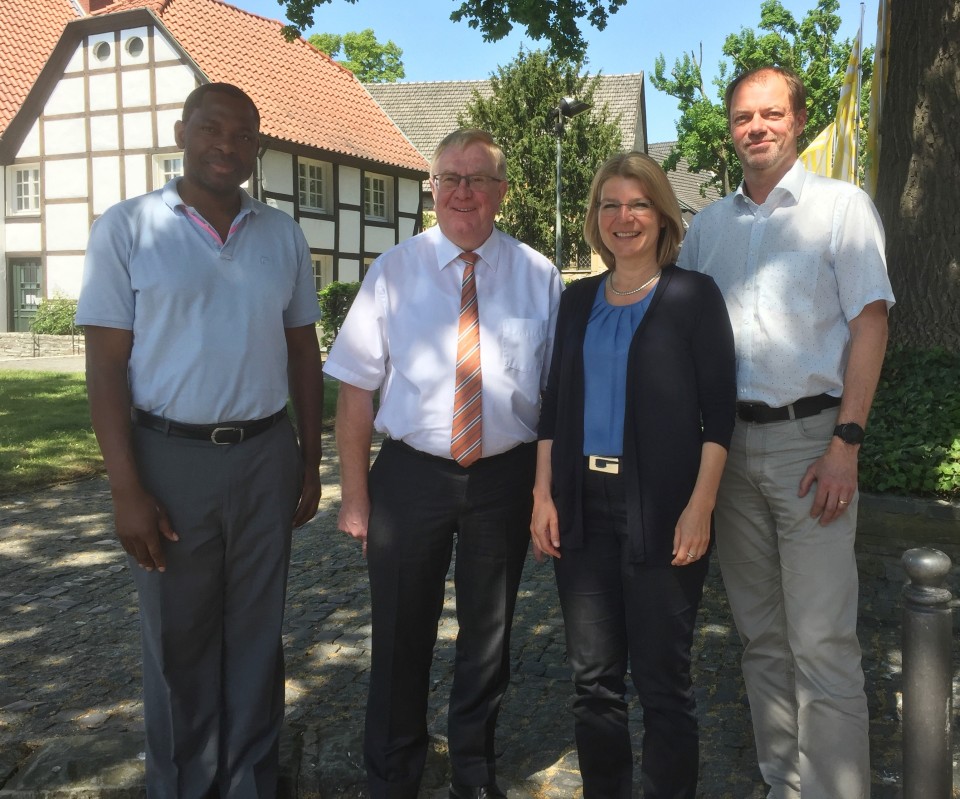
556	21
363	55
809	47
524	93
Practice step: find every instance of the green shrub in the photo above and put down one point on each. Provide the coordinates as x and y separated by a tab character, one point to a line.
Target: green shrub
55	317
335	300
913	441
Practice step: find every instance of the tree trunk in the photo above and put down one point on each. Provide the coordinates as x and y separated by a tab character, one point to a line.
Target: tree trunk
918	187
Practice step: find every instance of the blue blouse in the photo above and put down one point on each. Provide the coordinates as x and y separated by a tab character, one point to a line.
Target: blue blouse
605	346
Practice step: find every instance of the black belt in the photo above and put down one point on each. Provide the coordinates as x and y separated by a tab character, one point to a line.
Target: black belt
761	413
223	433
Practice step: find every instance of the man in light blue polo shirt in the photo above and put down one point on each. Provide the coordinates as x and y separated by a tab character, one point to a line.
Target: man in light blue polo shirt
199	307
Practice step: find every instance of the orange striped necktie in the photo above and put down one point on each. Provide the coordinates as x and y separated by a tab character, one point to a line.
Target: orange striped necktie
465	442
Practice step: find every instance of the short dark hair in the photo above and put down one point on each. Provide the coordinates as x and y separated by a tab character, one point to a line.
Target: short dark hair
795	87
195	98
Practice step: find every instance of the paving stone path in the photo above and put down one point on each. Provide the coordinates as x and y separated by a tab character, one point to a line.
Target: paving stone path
70	711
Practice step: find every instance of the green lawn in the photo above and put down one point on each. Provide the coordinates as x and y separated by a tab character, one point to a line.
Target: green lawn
45	432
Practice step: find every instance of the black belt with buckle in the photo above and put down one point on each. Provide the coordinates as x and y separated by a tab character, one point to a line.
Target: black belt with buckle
603	463
762	413
223	433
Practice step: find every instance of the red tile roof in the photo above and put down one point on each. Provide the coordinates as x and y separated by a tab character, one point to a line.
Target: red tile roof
28	33
303	96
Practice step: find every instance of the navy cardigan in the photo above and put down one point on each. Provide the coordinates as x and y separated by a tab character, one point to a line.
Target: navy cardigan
681	391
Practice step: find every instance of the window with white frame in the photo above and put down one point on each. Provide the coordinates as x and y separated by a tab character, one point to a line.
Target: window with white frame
166	167
377	196
24	191
314	184
322	270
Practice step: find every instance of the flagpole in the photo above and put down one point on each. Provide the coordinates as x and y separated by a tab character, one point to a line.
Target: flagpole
856	115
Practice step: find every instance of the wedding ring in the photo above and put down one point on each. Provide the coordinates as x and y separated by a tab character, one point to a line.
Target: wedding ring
691	556
843	502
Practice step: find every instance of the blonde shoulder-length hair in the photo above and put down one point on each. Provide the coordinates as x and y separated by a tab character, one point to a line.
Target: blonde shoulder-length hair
647	171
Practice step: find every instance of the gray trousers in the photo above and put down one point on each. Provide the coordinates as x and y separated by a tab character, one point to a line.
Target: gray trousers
211	624
793	589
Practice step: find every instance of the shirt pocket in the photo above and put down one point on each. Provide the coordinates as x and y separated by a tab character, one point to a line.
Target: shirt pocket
522	342
788	282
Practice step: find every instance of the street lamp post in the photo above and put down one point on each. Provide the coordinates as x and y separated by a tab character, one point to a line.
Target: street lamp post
569	107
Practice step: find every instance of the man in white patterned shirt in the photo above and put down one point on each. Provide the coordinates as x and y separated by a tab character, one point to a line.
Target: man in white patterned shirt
800	261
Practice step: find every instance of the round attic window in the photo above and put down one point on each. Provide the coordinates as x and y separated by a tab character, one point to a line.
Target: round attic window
101	51
135	46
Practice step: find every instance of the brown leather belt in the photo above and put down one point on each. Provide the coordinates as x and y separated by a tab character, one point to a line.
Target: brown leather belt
223	433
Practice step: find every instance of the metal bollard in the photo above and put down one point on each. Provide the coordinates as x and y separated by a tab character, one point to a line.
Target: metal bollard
927	676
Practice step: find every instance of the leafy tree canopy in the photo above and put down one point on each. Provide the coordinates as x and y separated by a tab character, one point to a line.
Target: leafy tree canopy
557	22
524	93
363	55
809	47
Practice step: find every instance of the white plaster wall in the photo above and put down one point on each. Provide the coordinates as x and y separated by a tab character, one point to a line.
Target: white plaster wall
31	143
106	183
66	97
409	192
349	270
61	136
349	231
75	64
103	92
67	226
135	89
277	172
286	207
165	122
125	56
174	83
350	191
163	50
406	228
135	170
23	237
320	233
378	239
64	273
104	133
65	179
138	131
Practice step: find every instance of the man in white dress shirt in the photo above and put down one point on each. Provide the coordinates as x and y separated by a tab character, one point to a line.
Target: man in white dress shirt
800	261
437	480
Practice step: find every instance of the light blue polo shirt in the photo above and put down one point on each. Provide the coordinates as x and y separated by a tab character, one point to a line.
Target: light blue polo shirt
208	319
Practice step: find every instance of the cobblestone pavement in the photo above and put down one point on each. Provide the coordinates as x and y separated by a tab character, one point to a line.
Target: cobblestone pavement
69	661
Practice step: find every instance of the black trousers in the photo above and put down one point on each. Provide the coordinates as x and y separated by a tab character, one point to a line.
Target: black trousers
617	615
420	504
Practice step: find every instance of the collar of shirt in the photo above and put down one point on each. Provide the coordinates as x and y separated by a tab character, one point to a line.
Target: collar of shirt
787	191
448	252
171	196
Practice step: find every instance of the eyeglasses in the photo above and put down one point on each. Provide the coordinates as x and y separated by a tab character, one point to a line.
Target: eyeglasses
450	181
609	208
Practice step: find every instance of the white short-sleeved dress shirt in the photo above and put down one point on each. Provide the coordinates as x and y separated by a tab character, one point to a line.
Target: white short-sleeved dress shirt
793	271
400	336
208	317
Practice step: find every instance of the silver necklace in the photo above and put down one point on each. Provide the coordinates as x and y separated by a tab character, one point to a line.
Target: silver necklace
632	291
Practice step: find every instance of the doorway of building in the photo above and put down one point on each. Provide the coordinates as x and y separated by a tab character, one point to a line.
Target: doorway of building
27	292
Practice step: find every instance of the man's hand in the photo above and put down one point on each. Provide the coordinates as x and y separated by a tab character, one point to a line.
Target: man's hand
310	494
835	474
141	522
353	518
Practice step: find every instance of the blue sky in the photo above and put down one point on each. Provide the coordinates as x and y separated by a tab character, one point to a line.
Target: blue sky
434	48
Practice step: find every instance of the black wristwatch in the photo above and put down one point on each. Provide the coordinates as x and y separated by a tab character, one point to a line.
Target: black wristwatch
849	433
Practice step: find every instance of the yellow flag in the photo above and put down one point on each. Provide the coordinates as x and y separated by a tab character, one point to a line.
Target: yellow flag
877	88
848	122
818	157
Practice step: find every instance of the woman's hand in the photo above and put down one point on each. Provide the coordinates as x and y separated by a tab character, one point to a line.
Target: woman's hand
691	538
544	528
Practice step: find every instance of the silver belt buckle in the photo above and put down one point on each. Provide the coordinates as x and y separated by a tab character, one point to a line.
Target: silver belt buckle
597	463
216	430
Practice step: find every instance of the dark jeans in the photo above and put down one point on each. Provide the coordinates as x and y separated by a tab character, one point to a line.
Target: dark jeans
615	613
420	506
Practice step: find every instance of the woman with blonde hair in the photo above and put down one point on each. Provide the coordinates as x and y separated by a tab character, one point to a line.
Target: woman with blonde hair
636	420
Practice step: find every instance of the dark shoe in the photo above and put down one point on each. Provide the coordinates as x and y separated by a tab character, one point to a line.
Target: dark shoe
458	791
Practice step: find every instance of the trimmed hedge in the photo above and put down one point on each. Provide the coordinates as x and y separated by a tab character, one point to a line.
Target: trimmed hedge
913	438
55	317
335	300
